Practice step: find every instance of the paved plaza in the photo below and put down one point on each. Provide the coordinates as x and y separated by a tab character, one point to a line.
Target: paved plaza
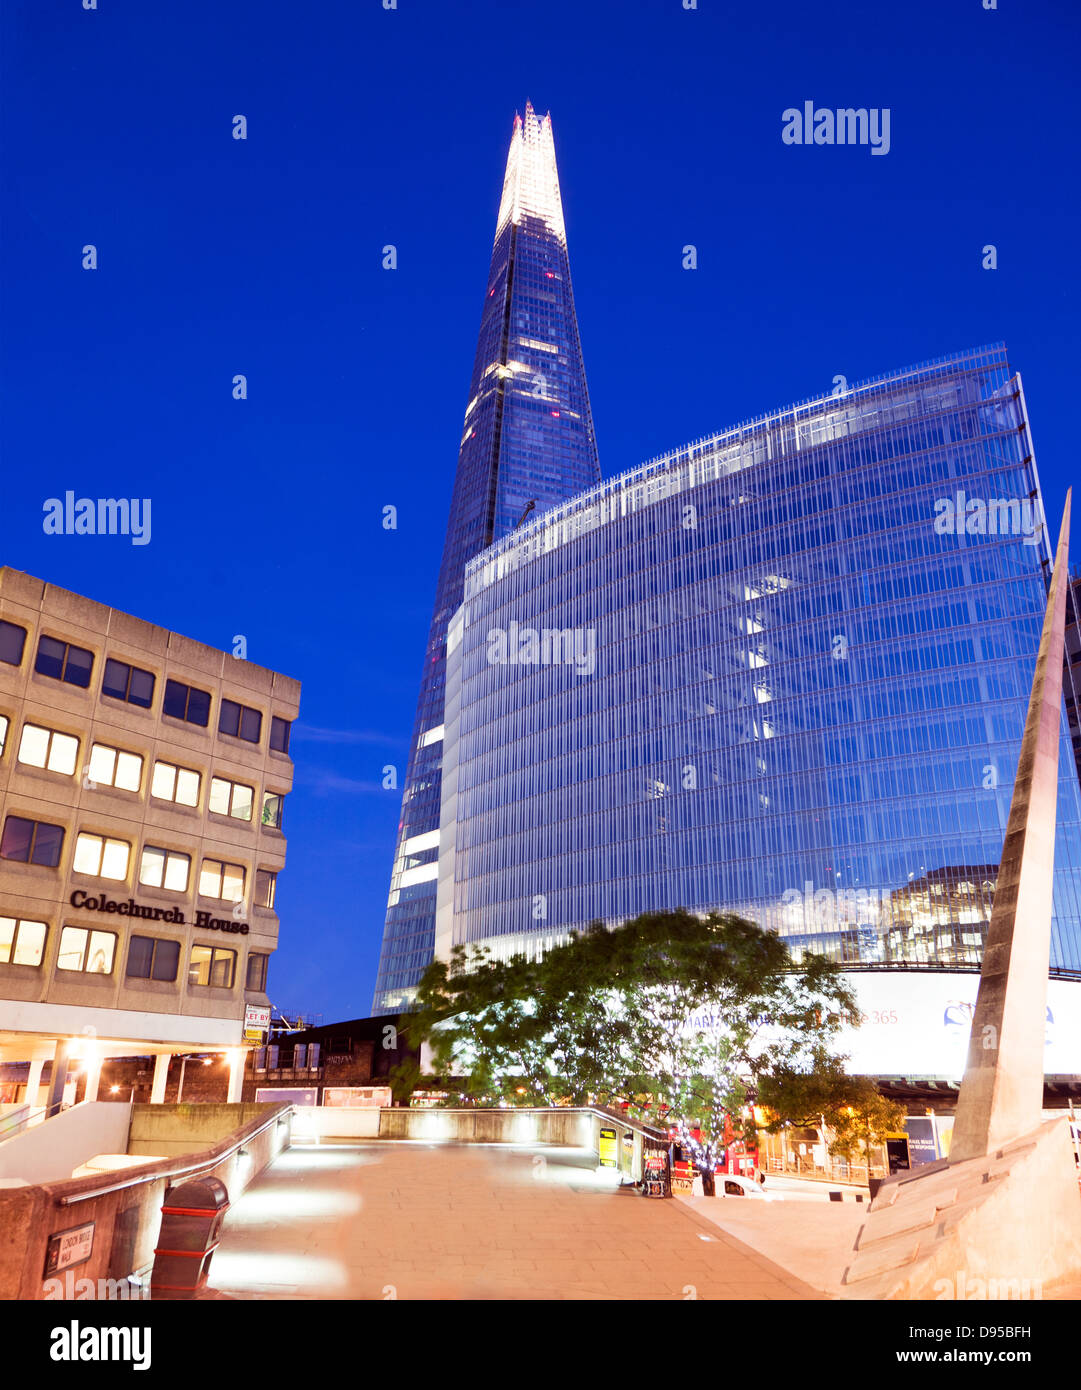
427	1221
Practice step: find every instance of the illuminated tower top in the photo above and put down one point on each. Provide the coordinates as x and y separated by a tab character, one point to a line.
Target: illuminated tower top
531	185
527	444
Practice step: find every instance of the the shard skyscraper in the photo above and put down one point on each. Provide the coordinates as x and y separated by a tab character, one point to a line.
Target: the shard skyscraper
527	444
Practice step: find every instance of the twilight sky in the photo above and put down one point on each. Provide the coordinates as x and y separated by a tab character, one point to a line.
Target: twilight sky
366	127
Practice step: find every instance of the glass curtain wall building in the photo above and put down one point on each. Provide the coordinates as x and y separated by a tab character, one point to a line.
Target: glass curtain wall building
527	443
782	671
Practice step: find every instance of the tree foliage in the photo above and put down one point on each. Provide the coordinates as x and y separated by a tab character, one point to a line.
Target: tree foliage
670	1009
851	1106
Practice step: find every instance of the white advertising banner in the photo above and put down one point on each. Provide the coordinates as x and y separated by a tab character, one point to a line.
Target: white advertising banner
917	1024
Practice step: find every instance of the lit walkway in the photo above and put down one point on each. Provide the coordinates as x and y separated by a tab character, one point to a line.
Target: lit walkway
425	1221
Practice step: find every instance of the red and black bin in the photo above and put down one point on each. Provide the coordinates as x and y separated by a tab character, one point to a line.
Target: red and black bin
191	1220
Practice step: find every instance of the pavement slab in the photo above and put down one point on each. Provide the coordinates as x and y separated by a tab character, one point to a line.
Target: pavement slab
383	1220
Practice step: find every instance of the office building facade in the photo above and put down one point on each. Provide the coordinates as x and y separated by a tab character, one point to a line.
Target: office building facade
143	778
783	671
527	443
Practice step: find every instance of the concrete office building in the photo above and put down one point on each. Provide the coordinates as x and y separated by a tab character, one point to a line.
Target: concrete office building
142	781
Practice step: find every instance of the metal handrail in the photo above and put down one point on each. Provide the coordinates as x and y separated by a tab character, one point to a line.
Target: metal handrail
18	1125
203	1165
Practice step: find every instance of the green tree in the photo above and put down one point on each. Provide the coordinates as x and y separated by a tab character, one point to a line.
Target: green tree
670	1011
851	1107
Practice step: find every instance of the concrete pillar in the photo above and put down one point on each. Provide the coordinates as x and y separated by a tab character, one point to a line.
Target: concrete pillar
92	1060
33	1081
1001	1095
59	1076
161	1075
236	1074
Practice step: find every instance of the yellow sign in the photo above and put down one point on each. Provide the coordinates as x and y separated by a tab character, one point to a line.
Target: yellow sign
608	1149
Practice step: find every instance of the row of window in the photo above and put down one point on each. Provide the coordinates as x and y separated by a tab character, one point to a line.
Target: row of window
64	661
113	767
89	951
103	856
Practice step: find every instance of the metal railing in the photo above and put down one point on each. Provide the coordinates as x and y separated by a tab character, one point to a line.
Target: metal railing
13	1124
203	1165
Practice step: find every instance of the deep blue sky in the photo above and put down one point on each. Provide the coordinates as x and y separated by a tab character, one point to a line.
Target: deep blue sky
367	127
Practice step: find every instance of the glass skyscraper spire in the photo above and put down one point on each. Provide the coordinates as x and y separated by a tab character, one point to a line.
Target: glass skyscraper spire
527	444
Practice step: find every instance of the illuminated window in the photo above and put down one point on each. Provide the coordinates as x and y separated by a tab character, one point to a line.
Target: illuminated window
212	966
89	951
4	726
240	722
151	958
186	702
272	810
224	881
112	767
64	662
21	942
129	683
165	868
46	748
172	783
231	798
12	642
100	856
32	842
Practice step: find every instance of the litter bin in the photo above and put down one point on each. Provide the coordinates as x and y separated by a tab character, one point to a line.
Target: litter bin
191	1219
656	1174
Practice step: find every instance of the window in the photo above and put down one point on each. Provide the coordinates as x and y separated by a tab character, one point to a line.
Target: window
279	734
130	683
239	721
218	880
63	662
272	810
150	958
32	842
256	980
46	748
265	884
187	703
100	856
12	642
86	950
231	798
172	783
165	868
212	965
22	942
5	724
111	767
